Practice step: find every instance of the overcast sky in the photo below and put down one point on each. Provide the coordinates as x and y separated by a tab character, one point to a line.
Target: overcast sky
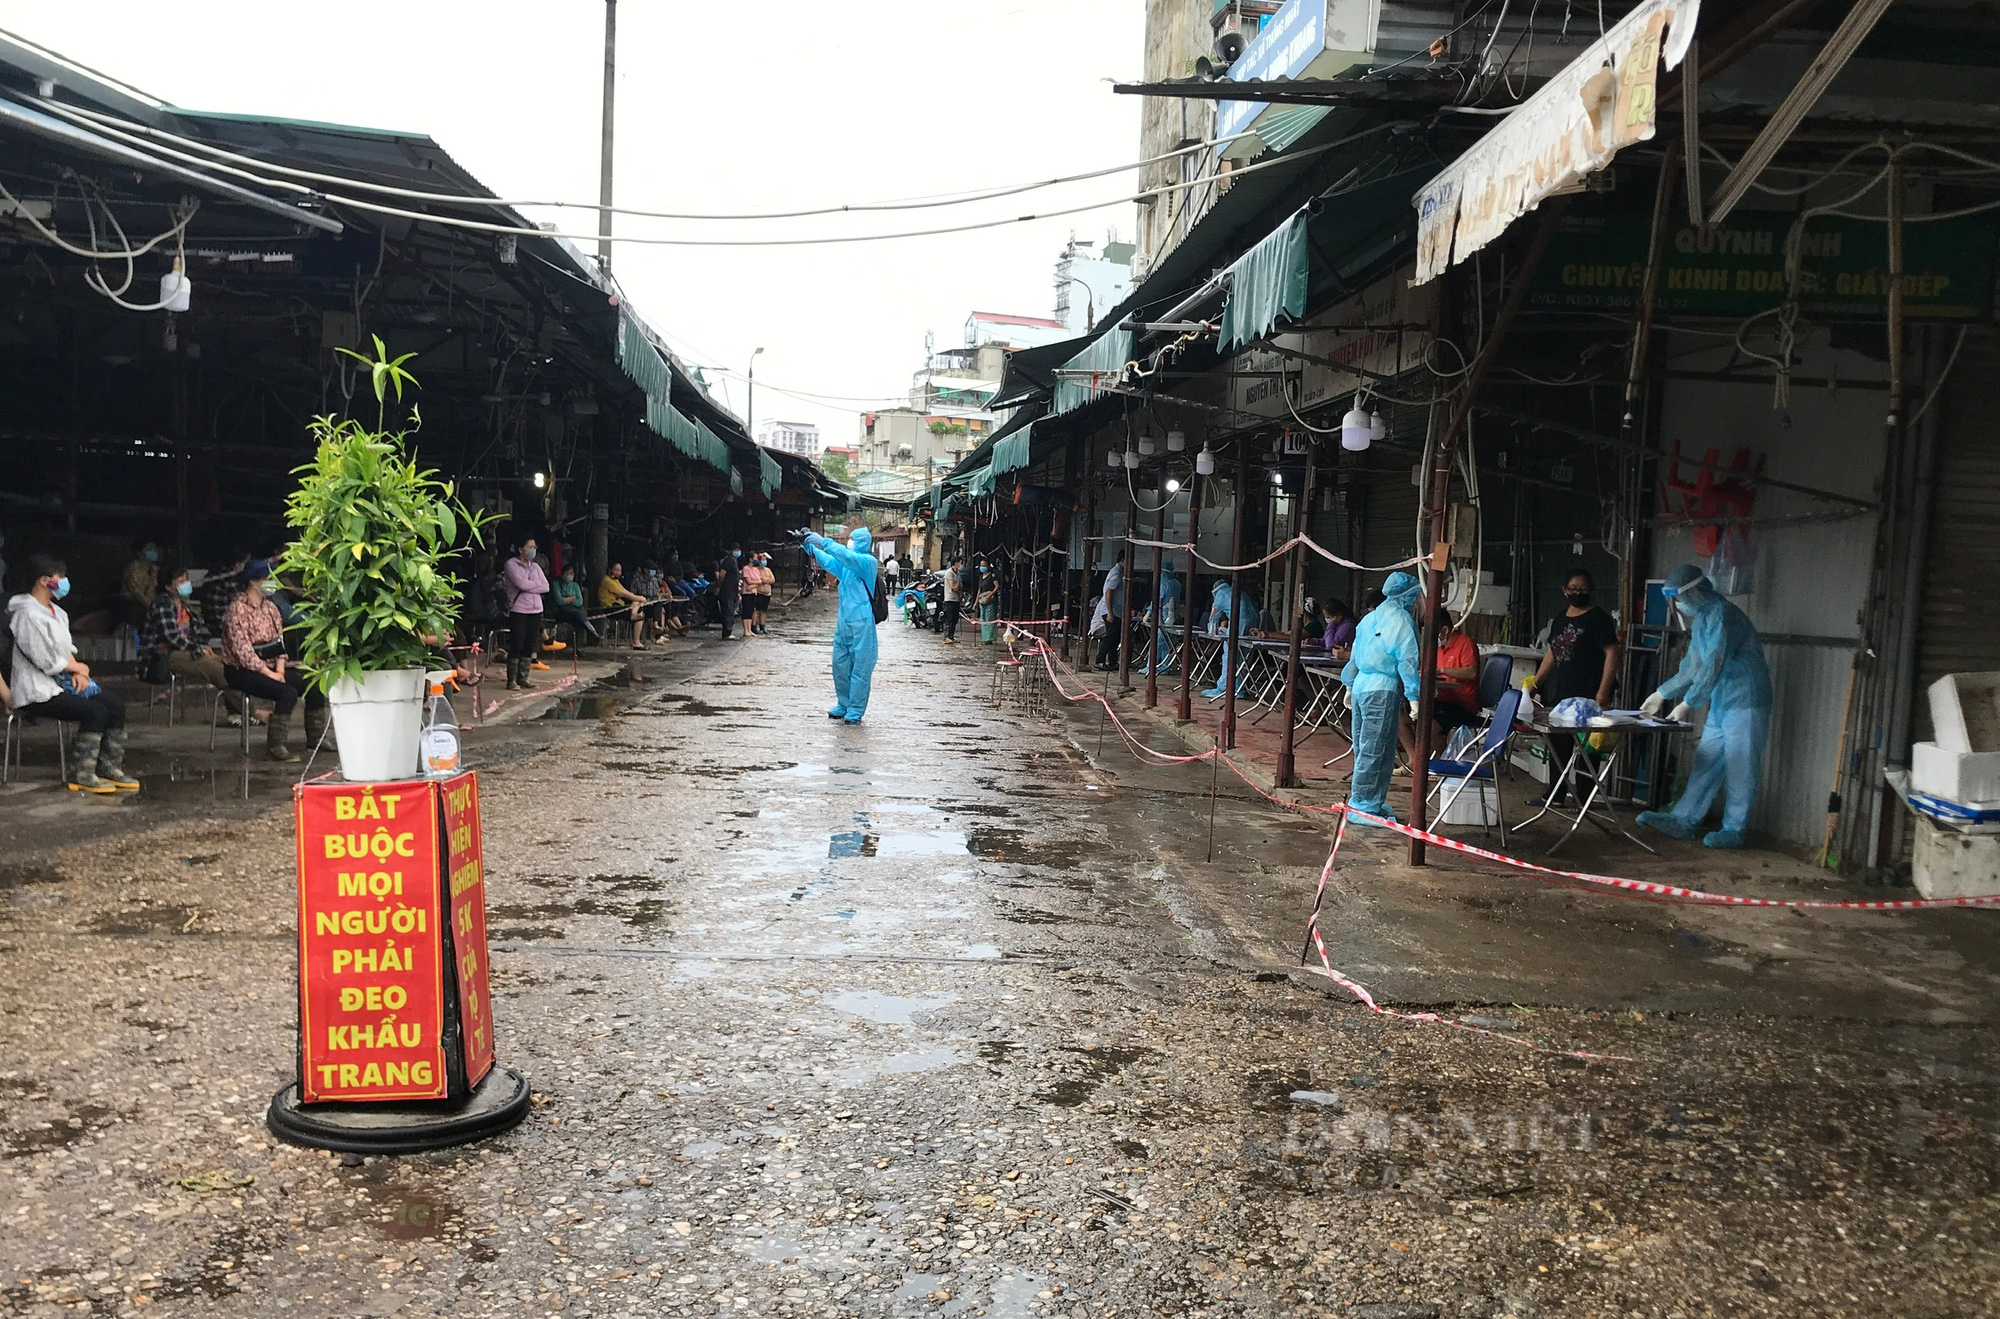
752	105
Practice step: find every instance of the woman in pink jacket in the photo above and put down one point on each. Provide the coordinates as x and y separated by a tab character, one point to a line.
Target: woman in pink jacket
526	585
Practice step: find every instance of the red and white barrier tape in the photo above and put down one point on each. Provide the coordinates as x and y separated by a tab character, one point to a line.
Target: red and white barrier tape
1668	892
1277	553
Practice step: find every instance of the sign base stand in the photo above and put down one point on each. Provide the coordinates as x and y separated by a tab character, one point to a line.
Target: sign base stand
496	1104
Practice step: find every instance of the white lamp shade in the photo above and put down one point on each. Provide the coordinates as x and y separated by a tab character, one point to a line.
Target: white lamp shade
1176	441
1131	459
1204	462
175	289
1112	460
1147	446
1377	428
1356	434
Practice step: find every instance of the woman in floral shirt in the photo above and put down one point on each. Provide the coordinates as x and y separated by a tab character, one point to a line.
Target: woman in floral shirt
253	660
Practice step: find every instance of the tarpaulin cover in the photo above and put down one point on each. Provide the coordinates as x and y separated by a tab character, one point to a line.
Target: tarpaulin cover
1107	355
771	476
1269	283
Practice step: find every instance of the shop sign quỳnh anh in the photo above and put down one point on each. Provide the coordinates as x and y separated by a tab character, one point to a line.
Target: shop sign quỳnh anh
391	891
1597	263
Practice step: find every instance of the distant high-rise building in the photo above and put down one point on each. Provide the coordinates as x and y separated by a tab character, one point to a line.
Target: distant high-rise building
800	437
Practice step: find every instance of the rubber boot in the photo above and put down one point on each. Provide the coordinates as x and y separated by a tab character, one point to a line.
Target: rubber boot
111	762
276	734
524	685
513	674
316	719
83	766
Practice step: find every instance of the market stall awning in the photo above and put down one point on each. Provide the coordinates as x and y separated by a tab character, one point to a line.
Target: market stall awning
770	475
1270	282
1031	371
1601	102
1011	454
1077	381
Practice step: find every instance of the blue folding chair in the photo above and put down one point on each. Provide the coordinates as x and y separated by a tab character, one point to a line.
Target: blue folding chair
1480	769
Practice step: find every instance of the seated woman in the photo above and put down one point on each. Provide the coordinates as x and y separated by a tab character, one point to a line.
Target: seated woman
612	593
50	682
1339	638
568	606
254	663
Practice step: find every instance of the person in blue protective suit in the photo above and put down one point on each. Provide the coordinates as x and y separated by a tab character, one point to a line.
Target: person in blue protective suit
1724	670
1381	675
1169	612
853	565
1233	608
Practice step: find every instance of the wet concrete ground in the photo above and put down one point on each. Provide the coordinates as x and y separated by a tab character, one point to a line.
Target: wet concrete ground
945	1015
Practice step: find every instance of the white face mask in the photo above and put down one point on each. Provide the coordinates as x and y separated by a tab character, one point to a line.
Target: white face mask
528	553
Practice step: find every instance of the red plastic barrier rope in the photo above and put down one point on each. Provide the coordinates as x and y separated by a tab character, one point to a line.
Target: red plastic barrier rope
1669	892
1367	1000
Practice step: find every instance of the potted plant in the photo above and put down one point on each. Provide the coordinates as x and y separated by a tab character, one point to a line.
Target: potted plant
373	532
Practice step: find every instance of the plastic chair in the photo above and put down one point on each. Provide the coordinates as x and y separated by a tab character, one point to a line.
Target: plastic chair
216	708
1480	769
16	743
1495	677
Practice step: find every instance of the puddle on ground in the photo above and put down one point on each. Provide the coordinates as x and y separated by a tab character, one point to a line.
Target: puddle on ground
813	771
886	1008
934	842
999	844
901	1064
145	921
640	913
975	808
593	706
407	1215
852	842
1090	1066
65	1124
29	872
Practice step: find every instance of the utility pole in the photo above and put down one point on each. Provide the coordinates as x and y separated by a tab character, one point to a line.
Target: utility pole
610	119
750	421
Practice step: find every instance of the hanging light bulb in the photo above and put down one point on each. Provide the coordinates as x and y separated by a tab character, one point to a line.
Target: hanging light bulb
1278	479
1378	429
1147	446
1176	441
1112	460
1204	462
1173	485
1356	434
1131	459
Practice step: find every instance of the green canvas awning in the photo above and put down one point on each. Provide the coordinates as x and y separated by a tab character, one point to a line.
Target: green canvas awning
1106	355
979	484
1269	284
770	475
1011	453
640	359
685	434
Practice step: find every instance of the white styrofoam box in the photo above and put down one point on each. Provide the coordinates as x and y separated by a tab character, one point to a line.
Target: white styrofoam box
1478	804
1950	864
1965	711
1534	767
1971	778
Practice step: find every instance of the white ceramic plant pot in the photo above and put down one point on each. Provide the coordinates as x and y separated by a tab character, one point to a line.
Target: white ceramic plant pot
379	724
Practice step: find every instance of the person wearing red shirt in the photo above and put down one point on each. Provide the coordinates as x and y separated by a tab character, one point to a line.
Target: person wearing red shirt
1456	704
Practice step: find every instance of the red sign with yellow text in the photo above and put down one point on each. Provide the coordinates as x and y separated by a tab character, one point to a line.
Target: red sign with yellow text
371	963
466	883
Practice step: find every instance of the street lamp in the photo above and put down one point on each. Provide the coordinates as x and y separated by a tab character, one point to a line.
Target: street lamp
750	423
1089	303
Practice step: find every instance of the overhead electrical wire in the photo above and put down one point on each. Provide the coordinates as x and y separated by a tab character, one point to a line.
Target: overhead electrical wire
414	194
481	226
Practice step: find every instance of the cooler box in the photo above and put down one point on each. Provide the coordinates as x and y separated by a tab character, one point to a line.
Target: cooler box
1965	711
1479	804
1949	864
1971	778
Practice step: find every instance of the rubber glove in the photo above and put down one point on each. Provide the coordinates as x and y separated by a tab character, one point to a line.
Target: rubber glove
1652	705
1682	713
1415	711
